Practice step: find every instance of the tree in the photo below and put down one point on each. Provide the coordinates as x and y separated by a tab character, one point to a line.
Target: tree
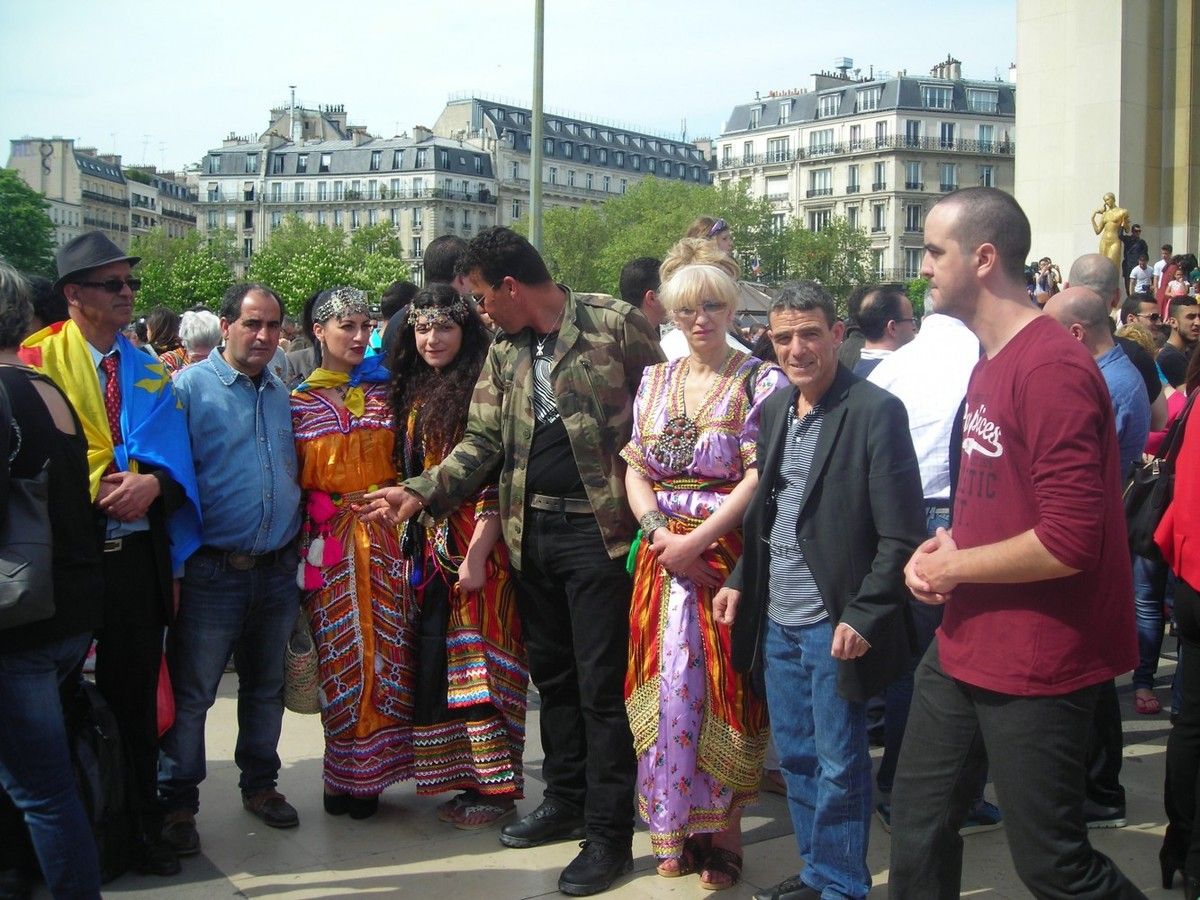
837	256
181	272
916	290
301	258
26	232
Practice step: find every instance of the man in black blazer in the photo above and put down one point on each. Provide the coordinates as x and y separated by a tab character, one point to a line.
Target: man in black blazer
817	602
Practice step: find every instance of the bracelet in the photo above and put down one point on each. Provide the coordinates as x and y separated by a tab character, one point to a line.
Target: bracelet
652	521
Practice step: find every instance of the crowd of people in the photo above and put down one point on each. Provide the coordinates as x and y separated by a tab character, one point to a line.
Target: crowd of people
716	563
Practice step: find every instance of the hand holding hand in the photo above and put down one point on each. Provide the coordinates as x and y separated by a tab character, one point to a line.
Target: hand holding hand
391	505
927	573
126	496
676	552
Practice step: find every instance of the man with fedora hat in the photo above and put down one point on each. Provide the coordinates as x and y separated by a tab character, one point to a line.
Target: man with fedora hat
143	490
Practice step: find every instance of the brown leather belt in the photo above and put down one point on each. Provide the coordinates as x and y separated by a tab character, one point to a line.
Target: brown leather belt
560	504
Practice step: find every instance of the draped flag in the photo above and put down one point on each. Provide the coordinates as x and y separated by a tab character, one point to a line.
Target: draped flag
153	423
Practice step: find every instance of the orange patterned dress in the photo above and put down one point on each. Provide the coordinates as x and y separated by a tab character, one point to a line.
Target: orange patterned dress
361	615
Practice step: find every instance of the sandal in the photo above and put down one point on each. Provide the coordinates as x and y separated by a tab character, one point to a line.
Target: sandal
478	814
688	859
722	862
1147	706
446	811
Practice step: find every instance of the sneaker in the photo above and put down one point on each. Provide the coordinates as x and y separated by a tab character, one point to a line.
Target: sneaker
884	811
1099	816
983	817
179	832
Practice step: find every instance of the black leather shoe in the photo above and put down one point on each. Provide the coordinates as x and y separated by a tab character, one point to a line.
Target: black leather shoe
154	857
179	833
594	870
364	807
272	807
337	804
1099	815
548	823
789	889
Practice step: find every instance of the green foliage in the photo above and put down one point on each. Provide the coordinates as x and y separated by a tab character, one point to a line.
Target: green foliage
301	258
916	293
180	272
26	232
139	175
586	248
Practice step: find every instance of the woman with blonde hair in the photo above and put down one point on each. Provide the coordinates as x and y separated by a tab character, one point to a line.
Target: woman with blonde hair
715	230
694	251
699	732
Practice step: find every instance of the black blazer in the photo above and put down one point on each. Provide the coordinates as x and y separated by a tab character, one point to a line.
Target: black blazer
862	517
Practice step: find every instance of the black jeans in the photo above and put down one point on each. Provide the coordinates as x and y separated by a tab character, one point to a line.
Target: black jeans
574	605
1106	741
1036	748
1183	744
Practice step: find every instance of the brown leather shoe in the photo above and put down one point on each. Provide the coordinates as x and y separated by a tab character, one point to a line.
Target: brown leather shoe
272	807
179	832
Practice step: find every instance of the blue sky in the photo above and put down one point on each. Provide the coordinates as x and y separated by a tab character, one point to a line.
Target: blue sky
163	81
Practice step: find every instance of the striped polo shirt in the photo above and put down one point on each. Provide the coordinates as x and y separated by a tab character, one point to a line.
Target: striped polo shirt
792	591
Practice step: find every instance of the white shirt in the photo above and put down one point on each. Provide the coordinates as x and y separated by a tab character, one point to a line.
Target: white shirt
1158	270
1141	278
929	375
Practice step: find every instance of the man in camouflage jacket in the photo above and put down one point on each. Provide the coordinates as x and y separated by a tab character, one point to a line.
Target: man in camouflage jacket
551	410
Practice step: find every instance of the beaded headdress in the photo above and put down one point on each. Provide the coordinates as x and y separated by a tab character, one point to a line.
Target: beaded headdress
341	303
440	316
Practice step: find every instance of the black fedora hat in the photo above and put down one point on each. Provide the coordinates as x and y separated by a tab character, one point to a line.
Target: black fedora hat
88	251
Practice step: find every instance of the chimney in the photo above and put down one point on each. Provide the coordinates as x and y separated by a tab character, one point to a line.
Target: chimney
955	67
421	133
1012	73
358	134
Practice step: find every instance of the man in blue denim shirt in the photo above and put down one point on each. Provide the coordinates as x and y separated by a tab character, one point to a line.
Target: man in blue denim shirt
239	590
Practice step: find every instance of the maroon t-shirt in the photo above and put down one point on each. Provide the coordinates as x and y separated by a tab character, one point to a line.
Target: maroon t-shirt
1040	451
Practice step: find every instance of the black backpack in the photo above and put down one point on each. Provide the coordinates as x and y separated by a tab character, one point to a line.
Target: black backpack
99	760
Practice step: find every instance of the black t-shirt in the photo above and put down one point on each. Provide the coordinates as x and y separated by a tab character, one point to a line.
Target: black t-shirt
1174	361
552	467
1144	364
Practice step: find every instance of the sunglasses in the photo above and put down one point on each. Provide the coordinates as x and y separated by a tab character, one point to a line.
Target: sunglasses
113	285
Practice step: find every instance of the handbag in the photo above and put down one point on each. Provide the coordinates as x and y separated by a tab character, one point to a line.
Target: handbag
1149	490
26	550
301	682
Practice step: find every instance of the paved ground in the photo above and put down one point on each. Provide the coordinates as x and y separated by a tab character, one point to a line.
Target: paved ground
405	852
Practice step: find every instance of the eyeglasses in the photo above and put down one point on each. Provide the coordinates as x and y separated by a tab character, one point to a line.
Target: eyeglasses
710	308
909	319
1153	317
717	227
113	285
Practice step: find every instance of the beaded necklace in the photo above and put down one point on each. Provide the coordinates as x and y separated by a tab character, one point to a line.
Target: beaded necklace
675	447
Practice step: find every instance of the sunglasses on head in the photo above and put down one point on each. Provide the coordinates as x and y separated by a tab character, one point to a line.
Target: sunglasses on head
717	227
113	285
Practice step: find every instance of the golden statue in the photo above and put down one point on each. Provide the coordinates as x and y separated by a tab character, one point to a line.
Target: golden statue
1113	220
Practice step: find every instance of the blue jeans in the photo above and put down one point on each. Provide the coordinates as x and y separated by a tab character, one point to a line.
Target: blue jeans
824	757
250	613
35	764
1149	592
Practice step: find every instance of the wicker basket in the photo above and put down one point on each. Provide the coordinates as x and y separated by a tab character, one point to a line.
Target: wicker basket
301	684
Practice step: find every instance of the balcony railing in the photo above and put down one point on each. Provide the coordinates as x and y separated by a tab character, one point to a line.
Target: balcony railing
910	228
853	188
104	198
894	142
110	226
914	185
820	192
947	188
879	186
182	217
878	229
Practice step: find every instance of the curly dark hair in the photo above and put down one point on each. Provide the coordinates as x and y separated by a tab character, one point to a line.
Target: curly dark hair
442	396
497	253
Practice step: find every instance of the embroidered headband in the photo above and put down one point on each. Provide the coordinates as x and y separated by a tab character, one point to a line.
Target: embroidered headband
341	303
440	316
717	227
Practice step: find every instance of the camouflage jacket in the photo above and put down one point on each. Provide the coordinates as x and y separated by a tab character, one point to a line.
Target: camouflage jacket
603	346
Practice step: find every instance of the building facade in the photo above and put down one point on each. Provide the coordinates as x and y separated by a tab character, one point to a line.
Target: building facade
86	190
583	161
160	200
422	186
1127	120
878	151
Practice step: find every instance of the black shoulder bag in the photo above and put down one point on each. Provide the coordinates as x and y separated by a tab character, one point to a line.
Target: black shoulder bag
1149	490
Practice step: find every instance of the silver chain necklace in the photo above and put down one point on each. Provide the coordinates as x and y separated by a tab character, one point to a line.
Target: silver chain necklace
541	345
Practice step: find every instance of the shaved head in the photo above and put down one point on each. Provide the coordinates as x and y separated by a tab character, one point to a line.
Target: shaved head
1099	274
990	216
1079	306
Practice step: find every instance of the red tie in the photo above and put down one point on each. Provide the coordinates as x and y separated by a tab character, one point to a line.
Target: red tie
112	401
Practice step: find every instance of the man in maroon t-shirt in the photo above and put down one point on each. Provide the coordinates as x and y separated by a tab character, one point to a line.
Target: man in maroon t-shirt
1035	580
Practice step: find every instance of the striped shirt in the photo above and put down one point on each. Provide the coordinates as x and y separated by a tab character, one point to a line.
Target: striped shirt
794	598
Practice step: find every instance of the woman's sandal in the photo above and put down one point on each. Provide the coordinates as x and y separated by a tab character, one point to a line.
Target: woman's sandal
447	811
478	814
721	862
686	863
1147	706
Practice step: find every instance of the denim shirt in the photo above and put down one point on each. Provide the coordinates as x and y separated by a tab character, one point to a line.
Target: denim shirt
245	455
